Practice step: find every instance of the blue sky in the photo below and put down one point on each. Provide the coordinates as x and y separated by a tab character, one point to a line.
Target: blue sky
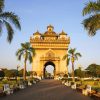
36	15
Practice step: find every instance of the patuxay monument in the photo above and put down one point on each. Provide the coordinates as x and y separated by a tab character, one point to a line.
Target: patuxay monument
50	48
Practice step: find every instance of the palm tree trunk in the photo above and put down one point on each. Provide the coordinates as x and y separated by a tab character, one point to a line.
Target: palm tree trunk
67	66
73	71
24	71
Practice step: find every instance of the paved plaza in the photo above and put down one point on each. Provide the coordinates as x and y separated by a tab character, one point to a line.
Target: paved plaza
47	90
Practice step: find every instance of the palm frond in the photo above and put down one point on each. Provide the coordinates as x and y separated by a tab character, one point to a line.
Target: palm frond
19	51
25	45
12	17
1	5
77	55
68	61
91	7
33	52
10	31
30	57
1	23
20	55
92	24
65	57
27	51
31	49
28	44
72	51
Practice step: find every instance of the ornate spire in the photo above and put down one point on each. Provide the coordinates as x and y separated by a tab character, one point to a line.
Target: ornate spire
50	28
37	33
50	31
63	33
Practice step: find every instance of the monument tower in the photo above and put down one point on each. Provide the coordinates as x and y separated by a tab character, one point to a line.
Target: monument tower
50	48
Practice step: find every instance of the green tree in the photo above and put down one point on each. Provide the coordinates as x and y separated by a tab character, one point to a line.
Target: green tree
2	73
94	70
6	19
20	72
10	73
29	73
72	55
67	58
92	24
27	52
79	73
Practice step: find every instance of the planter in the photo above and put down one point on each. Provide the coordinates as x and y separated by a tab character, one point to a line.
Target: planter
79	89
2	94
96	96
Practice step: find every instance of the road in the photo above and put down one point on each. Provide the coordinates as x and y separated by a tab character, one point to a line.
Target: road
47	90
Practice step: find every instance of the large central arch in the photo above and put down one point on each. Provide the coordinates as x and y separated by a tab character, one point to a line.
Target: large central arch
44	70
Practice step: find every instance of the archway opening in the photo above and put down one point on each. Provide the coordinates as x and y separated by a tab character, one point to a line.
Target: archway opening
49	70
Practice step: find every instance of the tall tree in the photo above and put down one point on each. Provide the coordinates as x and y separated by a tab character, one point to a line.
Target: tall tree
66	57
72	55
94	70
6	19
79	73
92	24
27	52
2	74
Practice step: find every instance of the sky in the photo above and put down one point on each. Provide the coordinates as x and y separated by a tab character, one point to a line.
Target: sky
37	15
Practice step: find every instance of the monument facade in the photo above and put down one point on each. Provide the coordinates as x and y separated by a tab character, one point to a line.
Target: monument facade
50	48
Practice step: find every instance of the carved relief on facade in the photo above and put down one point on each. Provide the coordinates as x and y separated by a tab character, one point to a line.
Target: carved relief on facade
50	55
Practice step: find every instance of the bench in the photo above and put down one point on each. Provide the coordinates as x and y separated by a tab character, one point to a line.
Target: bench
79	89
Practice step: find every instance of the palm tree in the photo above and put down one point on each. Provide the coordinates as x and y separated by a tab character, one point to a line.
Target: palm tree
92	24
72	55
66	57
27	52
6	19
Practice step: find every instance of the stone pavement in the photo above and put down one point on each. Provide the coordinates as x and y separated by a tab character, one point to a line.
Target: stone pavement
47	90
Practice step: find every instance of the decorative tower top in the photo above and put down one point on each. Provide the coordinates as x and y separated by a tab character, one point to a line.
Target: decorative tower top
50	31
37	33
50	35
50	28
62	33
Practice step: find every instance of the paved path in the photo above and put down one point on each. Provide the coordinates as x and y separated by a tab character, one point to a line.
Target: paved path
47	90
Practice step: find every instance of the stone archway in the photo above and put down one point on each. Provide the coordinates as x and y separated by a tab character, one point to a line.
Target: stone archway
44	70
50	47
